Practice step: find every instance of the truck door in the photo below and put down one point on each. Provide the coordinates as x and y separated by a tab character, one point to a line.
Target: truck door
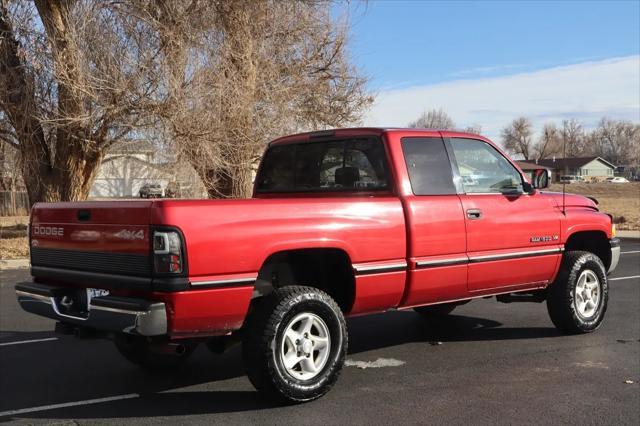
512	236
436	242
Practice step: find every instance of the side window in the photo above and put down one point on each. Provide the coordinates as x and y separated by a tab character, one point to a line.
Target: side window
428	166
483	169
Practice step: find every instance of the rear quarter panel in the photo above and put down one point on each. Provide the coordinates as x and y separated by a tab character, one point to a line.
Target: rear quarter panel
225	237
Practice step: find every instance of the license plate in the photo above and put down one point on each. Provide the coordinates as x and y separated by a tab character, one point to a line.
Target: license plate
96	292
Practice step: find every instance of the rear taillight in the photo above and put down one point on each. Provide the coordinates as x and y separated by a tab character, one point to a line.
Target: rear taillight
167	252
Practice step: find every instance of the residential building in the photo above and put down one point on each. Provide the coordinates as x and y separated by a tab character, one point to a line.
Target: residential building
590	169
130	165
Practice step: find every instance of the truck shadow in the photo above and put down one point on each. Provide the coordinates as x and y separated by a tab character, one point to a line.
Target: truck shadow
67	370
397	328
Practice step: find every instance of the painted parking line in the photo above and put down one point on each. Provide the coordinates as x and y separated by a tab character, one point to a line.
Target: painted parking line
630	252
624	278
21	342
68	404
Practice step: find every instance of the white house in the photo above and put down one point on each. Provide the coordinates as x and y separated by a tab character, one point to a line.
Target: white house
129	165
589	168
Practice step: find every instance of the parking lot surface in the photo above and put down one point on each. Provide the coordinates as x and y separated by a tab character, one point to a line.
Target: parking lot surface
488	363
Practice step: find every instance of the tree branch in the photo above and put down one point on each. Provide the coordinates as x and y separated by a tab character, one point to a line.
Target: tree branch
16	91
9	141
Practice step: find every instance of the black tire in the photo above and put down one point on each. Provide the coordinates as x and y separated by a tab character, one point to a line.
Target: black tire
138	351
561	298
264	338
436	310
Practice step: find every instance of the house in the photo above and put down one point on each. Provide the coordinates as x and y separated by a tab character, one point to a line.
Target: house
591	169
131	164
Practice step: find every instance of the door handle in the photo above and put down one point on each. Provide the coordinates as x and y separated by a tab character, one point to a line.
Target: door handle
474	214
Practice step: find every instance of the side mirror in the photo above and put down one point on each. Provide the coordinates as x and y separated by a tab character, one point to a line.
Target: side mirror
540	179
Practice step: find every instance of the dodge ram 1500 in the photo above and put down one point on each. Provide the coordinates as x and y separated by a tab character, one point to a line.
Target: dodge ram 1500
342	222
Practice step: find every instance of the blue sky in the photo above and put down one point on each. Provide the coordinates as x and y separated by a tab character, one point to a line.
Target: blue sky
487	62
420	42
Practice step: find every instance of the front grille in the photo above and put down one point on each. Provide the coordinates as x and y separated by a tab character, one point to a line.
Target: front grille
112	263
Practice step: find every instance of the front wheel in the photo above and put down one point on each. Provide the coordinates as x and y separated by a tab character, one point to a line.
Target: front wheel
296	343
577	299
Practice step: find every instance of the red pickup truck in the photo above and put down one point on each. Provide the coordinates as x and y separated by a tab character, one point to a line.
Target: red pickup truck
342	222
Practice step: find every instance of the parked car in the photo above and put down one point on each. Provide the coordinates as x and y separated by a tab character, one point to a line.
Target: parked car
571	179
151	190
280	272
617	179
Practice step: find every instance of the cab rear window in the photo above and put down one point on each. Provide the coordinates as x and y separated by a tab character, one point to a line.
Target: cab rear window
341	165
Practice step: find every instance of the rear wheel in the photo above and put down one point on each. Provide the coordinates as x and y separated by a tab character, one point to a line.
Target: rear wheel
142	351
295	344
577	299
436	310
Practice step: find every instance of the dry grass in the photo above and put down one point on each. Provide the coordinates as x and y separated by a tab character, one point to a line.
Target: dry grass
7	221
13	237
622	200
14	248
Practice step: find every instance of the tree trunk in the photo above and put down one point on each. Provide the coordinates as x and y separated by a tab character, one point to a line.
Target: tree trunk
234	180
69	179
229	183
66	172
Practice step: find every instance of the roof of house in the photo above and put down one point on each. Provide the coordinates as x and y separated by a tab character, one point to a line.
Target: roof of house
575	162
525	165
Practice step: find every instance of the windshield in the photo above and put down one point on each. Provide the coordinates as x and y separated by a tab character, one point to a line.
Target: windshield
341	165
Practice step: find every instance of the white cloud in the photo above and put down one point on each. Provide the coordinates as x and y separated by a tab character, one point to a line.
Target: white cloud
586	91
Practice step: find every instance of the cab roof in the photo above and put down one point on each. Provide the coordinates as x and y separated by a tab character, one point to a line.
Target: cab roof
366	131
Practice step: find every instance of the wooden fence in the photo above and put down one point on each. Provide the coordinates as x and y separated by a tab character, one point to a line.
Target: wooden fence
14	203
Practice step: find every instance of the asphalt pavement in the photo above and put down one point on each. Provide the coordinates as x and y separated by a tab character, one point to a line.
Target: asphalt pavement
488	363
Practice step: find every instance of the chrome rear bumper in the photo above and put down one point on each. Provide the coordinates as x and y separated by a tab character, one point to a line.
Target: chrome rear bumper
106	313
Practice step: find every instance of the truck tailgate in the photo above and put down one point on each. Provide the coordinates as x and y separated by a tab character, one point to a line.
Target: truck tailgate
106	237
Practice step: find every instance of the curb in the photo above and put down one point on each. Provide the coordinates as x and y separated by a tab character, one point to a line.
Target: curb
14	264
628	234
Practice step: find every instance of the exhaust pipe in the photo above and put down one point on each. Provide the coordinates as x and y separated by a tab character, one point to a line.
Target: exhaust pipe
169	348
180	349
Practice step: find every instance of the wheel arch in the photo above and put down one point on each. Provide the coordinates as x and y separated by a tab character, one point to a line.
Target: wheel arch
595	242
326	268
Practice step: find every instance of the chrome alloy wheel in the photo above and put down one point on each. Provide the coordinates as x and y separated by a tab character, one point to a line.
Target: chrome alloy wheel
587	294
305	349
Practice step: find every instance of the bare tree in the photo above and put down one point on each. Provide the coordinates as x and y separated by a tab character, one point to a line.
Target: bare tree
572	137
219	79
74	77
434	119
517	138
617	141
10	177
474	128
550	143
240	73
